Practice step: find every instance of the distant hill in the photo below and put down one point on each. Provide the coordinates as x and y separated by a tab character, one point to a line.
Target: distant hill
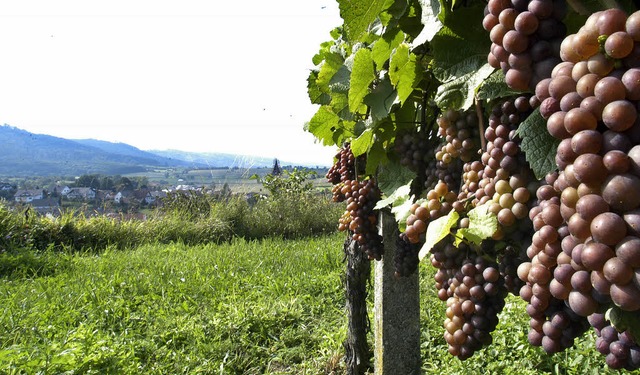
219	160
27	154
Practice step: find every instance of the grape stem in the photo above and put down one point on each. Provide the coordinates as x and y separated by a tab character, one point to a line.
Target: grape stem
483	141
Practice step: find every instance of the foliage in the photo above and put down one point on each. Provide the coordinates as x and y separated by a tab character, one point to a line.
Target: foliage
288	184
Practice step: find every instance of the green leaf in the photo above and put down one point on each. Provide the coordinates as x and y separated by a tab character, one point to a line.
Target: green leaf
460	58
358	15
538	145
437	230
341	80
495	87
404	71
340	106
401	194
329	67
362	74
363	143
381	99
376	157
323	124
482	225
392	176
459	93
383	47
624	320
431	11
315	94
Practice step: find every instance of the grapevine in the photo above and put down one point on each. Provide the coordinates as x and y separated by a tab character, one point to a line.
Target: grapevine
519	138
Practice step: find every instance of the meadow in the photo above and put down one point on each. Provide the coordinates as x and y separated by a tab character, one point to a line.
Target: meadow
270	306
213	287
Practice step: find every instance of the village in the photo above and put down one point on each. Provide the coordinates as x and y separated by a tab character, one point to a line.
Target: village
55	199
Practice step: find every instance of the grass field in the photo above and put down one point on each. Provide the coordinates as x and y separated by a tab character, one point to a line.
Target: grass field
245	307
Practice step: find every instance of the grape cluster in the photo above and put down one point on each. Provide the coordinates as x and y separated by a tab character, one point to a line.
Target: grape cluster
620	348
474	292
360	217
525	36
413	147
460	132
549	278
509	261
502	178
406	257
361	198
586	249
438	203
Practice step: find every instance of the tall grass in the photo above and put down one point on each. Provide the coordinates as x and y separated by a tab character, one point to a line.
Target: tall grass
194	220
242	307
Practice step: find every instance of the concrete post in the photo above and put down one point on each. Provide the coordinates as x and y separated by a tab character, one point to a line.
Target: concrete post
396	311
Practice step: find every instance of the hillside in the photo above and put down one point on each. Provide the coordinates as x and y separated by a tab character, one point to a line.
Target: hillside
27	154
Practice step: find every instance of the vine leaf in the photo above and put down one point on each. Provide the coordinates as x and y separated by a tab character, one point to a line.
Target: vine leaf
329	67
400	202
383	47
482	225
392	176
495	87
404	71
363	143
538	145
431	11
460	54
377	156
437	230
362	75
459	92
323	124
381	99
358	15
315	94
624	320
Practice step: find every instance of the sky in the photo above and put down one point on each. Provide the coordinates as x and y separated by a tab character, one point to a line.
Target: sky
191	75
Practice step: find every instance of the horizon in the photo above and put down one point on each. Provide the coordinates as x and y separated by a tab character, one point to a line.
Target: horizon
262	158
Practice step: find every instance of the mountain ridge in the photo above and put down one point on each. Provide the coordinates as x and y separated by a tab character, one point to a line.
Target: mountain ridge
28	154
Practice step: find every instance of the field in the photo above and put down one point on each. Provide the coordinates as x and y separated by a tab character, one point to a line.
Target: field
236	308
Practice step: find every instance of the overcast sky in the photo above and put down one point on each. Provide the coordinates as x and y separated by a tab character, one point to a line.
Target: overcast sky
192	75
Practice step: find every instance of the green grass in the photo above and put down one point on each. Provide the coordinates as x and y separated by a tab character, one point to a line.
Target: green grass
245	307
271	306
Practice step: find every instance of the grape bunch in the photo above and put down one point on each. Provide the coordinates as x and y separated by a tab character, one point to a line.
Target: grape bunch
460	132
414	149
620	348
406	257
525	38
502	179
592	208
342	172
549	278
360	217
438	203
473	290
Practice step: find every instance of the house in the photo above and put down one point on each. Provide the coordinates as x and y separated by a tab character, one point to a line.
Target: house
5	186
26	196
81	193
46	205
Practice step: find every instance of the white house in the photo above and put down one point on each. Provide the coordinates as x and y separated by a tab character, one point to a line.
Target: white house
26	196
